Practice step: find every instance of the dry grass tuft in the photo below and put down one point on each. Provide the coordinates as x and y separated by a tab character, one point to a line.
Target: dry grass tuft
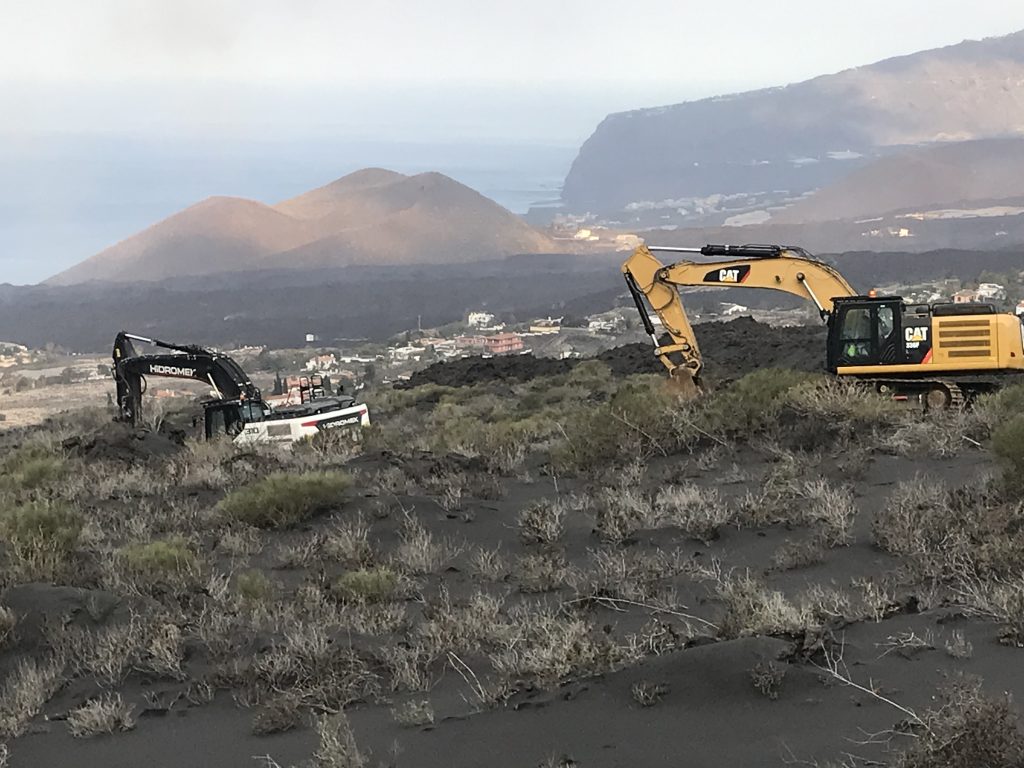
26	690
107	714
542	522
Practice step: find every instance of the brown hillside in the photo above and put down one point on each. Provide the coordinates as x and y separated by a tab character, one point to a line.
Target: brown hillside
344	193
942	175
368	217
219	234
424	218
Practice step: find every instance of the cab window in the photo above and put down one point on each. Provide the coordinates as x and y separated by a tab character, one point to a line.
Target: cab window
855	336
886	322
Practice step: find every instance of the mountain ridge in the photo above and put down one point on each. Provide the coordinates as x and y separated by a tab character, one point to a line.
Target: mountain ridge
802	136
372	216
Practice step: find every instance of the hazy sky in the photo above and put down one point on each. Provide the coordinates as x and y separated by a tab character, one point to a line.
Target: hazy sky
207	64
116	113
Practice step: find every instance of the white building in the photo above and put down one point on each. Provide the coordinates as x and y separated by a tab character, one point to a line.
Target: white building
991	292
480	319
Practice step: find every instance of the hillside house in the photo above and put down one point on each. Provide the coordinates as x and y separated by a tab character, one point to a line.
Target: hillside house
991	292
322	363
503	344
547	325
480	319
966	296
470	343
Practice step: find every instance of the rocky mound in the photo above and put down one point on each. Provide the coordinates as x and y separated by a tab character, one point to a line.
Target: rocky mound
118	442
730	350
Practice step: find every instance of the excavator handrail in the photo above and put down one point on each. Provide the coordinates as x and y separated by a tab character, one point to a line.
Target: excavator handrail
775	267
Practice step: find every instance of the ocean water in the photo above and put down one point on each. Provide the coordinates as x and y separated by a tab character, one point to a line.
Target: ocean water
66	197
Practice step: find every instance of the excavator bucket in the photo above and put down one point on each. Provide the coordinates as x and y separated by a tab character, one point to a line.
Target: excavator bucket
684	384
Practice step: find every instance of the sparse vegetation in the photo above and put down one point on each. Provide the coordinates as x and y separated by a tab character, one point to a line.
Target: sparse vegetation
767	677
41	536
968	729
281	500
515	537
106	714
374	585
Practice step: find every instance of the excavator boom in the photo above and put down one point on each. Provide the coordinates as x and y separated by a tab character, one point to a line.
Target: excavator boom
780	268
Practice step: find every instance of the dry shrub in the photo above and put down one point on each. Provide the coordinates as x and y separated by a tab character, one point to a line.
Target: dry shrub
968	730
844	405
107	714
414	713
348	542
1008	445
278	714
767	677
542	522
27	688
419	551
549	645
311	665
490	564
8	622
647	694
799	554
543	571
751	608
337	747
281	500
943	533
697	512
831	509
621	512
627	575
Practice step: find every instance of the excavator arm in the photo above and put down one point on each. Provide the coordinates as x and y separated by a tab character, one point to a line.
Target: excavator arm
222	373
775	267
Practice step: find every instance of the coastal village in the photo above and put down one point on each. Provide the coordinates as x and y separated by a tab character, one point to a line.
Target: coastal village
352	364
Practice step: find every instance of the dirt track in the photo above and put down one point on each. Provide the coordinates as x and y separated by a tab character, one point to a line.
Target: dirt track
730	350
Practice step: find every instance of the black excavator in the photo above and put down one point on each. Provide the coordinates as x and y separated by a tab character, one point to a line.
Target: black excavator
237	408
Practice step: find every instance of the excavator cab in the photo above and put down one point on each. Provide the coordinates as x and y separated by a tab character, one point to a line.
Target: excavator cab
230	417
865	330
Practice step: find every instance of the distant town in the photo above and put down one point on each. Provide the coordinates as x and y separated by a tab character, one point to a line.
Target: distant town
352	364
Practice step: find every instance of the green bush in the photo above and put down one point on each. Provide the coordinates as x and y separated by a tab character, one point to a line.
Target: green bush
1008	445
367	585
749	404
254	586
41	537
281	499
637	420
161	560
29	467
992	410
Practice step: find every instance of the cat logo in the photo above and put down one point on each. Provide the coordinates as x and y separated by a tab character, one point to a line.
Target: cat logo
728	274
915	336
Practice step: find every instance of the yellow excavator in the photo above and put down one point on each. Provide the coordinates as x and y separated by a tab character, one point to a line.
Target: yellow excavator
942	353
